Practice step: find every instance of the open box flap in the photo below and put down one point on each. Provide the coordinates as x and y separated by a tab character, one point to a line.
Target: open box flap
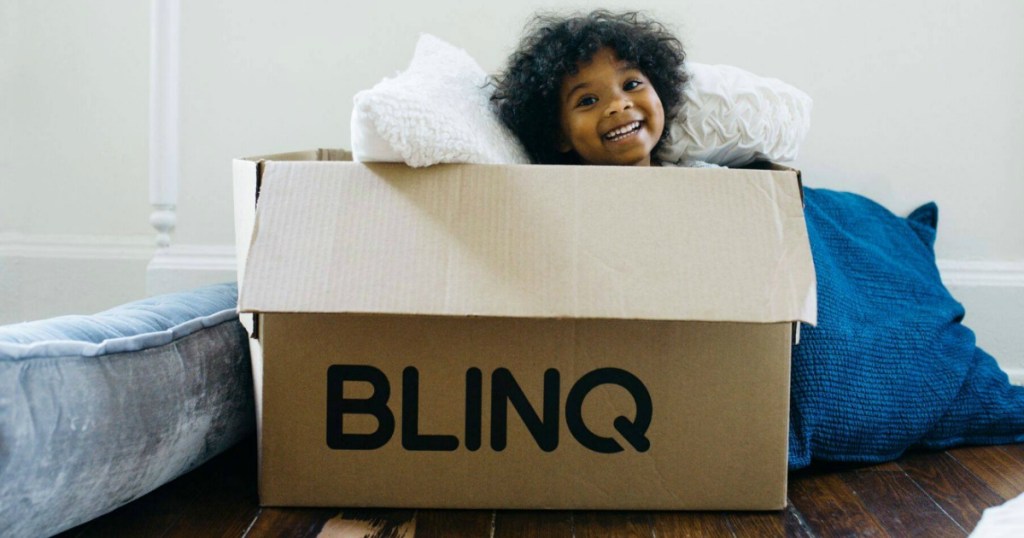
530	241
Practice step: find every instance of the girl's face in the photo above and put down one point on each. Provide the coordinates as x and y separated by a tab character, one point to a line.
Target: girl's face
610	113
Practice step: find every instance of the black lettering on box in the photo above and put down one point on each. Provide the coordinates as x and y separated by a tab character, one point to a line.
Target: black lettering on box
504	390
474	403
376	405
633	431
412	439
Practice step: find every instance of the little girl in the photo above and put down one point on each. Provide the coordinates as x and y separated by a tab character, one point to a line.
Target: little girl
592	89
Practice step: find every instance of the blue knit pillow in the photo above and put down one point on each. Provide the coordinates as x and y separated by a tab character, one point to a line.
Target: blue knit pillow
889	366
98	410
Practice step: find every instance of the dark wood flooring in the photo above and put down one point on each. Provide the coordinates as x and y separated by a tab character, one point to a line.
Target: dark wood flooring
930	494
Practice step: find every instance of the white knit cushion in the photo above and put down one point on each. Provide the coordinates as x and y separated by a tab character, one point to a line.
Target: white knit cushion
439	111
436	111
732	117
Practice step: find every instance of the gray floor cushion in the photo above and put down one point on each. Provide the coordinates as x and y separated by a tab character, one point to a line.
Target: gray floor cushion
96	411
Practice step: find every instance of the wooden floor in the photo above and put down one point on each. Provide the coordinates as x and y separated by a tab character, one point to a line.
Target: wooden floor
923	494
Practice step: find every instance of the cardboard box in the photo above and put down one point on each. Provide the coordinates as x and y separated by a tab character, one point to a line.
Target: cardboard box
480	336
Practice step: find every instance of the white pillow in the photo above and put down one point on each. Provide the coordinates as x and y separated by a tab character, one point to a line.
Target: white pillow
732	117
436	111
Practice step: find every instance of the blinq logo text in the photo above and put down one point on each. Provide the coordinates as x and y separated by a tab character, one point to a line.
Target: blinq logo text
505	391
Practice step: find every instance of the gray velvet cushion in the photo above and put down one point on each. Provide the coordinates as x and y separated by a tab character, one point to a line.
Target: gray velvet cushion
96	411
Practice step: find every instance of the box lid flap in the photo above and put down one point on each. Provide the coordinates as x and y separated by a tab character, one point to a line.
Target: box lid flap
530	241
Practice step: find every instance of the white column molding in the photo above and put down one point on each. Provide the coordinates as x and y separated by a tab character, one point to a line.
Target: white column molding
165	22
164	219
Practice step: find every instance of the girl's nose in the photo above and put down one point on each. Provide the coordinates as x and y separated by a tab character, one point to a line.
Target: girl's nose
618	105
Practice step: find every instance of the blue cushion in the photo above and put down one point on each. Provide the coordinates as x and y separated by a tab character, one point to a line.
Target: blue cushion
96	411
130	327
889	367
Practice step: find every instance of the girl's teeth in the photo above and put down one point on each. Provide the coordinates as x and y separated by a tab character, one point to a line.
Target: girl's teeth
623	130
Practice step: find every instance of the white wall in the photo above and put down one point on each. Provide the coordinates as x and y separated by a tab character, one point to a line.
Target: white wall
74	83
914	101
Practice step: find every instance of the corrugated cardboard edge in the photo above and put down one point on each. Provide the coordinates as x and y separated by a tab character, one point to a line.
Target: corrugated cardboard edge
768	165
247	173
810	309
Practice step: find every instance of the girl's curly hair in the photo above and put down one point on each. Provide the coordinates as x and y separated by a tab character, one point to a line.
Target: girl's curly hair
527	93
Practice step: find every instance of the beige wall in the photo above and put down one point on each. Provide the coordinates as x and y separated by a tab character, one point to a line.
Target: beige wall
914	101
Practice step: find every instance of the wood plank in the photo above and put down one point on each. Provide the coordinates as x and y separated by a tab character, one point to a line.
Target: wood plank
961	494
887	467
621	524
691	524
538	524
454	523
829	507
901	507
997	468
769	524
292	522
370	524
1016	451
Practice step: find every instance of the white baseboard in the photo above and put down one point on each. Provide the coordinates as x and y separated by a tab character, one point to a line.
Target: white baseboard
964	273
76	247
1016	375
42	276
183	267
993	295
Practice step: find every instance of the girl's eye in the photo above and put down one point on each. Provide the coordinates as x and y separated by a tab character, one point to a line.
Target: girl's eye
631	85
586	101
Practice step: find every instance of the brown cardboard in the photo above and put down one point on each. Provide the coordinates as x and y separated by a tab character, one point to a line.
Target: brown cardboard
571	294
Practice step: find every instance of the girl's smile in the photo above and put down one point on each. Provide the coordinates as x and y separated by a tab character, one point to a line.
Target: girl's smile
610	113
621	133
